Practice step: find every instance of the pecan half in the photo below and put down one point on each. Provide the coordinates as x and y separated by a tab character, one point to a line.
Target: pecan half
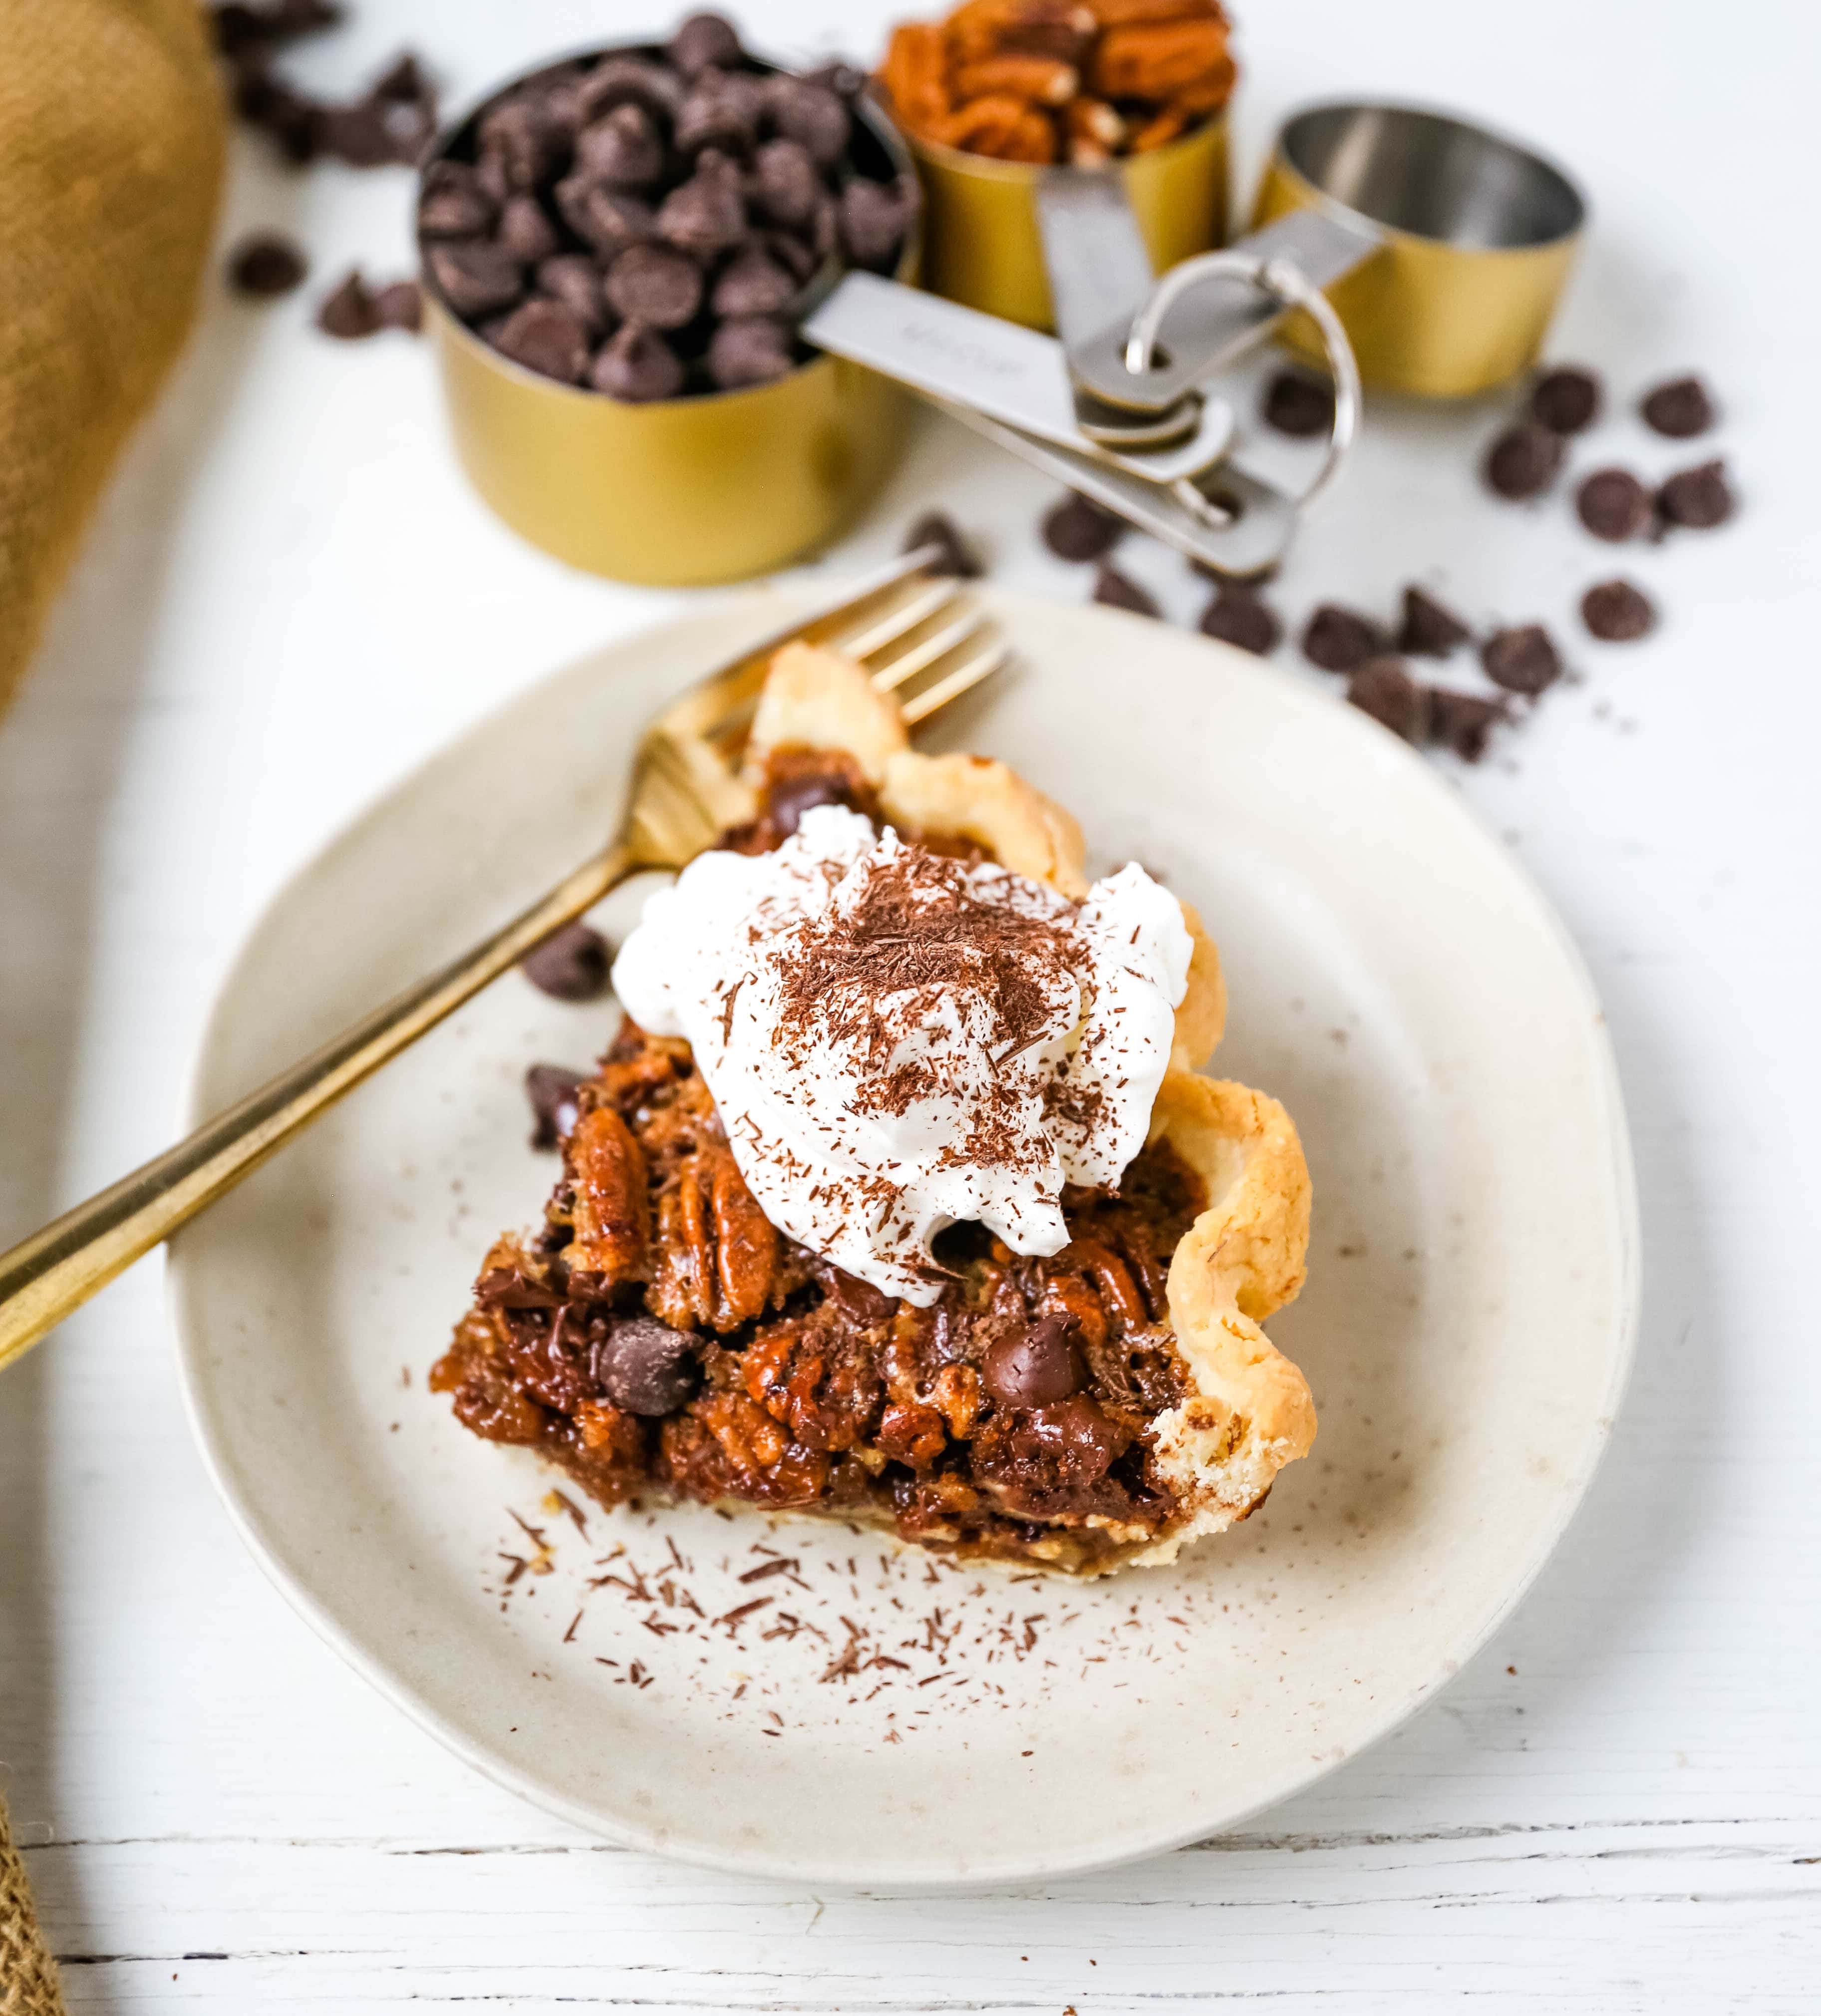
1119	1292
912	1435
1020	27
746	1247
682	1288
1157	60
1210	92
717	1253
1038	80
1133	13
1003	127
612	1208
915	74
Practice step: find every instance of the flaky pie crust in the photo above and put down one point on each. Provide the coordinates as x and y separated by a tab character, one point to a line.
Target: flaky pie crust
1250	1412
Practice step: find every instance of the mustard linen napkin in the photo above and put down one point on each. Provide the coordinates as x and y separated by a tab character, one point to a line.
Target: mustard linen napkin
111	139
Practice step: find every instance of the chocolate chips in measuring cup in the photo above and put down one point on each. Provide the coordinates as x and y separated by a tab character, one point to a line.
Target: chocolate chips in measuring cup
664	209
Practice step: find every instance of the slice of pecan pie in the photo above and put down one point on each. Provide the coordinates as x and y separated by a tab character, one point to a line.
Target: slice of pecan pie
1074	1379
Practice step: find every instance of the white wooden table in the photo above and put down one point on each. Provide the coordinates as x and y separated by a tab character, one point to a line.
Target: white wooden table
291	597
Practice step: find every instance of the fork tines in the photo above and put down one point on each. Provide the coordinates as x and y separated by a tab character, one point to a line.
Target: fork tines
926	641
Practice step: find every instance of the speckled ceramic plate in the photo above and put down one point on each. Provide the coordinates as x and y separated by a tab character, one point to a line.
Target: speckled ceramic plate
799	1699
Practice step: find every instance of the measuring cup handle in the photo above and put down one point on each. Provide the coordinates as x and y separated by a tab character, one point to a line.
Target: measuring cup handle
1285	283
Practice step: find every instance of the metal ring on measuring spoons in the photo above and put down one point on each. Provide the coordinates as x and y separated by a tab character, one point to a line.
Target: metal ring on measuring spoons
1283	283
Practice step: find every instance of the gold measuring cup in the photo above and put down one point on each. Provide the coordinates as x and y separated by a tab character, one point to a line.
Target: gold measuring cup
982	245
1476	235
675	492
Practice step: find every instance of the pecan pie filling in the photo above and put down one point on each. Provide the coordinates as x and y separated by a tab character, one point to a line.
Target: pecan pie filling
660	1338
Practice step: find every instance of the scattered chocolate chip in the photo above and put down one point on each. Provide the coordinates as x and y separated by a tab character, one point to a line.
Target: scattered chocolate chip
552	1090
753	284
573	279
474	278
266	266
571	964
1521	660
1698	498
359	135
546	337
454	204
1296	404
1036	1367
1523	461
705	215
1237	616
1079	529
1680	409
1381	687
1565	400
810	113
1338	640
1613	505
604	219
786	185
399	305
645	1366
1463	722
622	148
403	82
655	284
956	557
525	232
348	312
637	365
704	42
1120	591
1617	613
240	29
1430	630
293	122
874	218
749	350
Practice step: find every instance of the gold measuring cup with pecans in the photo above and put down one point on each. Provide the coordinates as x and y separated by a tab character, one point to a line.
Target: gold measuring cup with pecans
1003	90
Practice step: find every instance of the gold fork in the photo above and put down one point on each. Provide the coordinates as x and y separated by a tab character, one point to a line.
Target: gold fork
922	641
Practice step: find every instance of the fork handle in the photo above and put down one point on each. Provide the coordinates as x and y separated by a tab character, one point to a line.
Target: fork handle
56	1271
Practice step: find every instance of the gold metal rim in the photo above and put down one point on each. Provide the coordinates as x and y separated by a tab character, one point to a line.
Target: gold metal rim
1026	173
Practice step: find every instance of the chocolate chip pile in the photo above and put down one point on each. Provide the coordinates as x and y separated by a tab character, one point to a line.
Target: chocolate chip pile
646	222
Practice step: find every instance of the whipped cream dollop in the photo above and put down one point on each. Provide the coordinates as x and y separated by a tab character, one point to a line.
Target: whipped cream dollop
897	1039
